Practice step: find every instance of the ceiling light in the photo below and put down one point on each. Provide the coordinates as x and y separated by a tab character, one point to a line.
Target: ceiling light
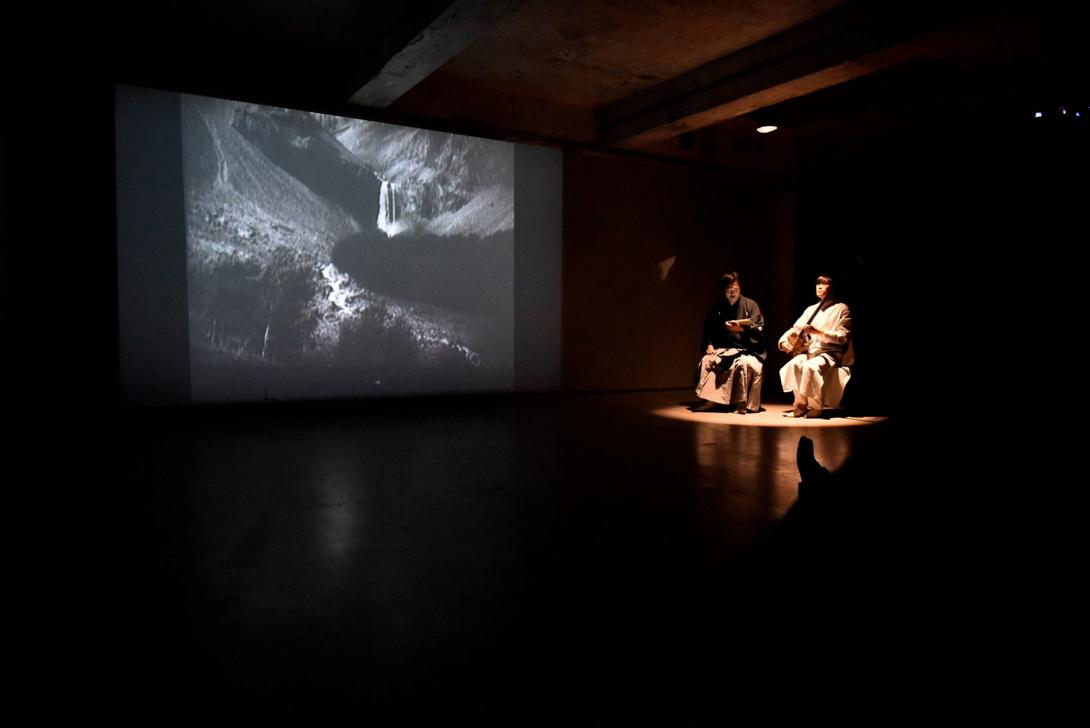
767	128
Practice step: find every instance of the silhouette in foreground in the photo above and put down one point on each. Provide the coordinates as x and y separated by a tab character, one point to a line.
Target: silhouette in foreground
854	546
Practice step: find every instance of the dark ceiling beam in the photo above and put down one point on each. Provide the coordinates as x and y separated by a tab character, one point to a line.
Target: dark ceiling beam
445	37
853	41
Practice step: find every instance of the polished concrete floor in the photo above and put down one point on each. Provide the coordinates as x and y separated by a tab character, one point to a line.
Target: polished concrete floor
552	559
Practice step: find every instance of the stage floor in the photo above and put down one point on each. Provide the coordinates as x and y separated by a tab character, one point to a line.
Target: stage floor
509	557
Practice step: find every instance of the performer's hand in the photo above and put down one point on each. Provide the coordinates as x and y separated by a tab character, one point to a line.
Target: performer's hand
812	330
710	349
733	326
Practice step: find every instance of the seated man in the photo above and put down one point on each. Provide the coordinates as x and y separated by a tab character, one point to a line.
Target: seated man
819	343
731	370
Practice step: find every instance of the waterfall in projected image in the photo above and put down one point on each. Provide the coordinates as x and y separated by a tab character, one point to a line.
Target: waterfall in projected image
330	256
387	209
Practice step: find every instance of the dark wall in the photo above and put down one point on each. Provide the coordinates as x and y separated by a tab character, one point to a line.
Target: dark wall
632	319
60	340
59	347
959	246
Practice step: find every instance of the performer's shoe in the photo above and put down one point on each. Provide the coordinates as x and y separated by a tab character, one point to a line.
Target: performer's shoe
812	414
796	413
741	408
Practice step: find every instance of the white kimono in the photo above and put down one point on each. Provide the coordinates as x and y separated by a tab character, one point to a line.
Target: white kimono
818	376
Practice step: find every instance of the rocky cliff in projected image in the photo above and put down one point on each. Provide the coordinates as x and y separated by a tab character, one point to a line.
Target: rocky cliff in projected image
331	256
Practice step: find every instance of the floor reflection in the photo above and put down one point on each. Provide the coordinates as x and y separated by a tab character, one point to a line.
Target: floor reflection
769	416
746	463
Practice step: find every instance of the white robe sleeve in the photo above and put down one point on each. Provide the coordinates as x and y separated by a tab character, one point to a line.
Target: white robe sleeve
838	327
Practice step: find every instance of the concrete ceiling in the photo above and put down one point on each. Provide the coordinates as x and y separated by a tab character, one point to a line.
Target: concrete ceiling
684	78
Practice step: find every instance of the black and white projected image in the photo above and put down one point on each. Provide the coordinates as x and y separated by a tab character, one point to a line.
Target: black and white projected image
336	256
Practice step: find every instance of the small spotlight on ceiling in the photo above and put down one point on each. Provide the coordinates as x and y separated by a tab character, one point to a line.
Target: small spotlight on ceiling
1037	115
766	129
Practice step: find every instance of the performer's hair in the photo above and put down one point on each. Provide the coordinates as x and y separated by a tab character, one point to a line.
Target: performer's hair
729	279
830	293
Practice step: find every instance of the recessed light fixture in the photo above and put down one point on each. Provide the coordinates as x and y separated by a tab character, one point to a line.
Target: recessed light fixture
767	128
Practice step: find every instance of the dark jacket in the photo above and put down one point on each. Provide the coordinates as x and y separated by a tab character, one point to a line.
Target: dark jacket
750	341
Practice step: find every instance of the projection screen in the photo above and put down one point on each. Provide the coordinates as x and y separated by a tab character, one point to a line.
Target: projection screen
268	253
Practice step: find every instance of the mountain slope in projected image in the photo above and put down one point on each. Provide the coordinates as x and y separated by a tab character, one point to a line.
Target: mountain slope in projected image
332	256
